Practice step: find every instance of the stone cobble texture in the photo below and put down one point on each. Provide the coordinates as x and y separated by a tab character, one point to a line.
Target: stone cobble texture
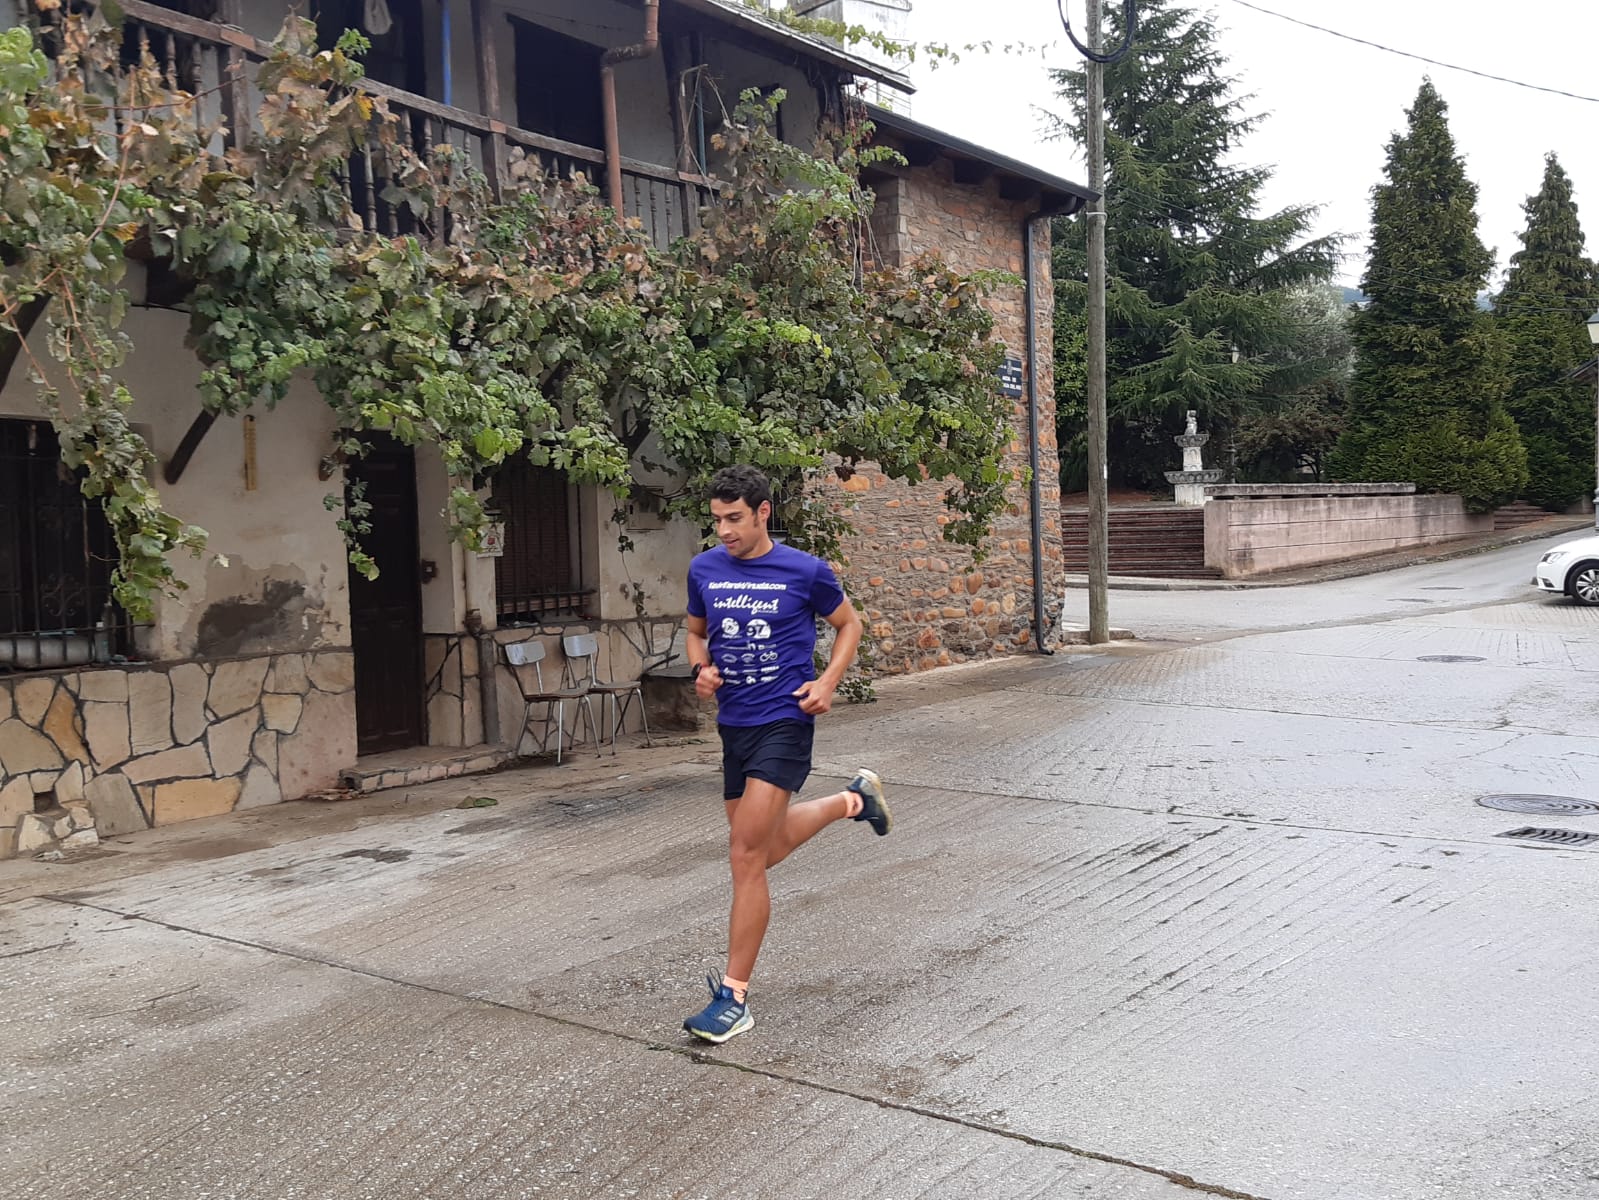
102	752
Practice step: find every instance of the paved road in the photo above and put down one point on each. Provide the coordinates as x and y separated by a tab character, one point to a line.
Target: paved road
1165	921
1491	578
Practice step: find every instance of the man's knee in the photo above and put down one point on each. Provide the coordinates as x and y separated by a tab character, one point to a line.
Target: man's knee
747	852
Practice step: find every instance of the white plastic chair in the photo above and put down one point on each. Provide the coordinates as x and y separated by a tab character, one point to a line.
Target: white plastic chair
582	652
531	654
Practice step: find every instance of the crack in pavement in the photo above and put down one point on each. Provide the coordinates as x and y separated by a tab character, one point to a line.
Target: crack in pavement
690	1053
1498	725
38	949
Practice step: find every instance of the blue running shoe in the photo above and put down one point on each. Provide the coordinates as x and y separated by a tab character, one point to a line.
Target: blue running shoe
874	809
724	1017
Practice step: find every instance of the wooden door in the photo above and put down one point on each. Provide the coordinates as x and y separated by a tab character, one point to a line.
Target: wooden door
386	612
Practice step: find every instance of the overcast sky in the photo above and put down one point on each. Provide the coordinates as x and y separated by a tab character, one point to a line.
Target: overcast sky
1333	104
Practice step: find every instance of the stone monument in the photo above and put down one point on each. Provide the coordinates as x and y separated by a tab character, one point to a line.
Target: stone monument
1191	480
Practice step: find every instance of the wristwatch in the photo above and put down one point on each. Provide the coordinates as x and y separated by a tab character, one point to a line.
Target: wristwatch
694	671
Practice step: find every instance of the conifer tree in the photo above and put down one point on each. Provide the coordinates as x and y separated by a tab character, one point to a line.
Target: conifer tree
1197	309
1426	404
1542	311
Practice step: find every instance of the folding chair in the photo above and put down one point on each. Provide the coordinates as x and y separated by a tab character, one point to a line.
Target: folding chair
531	654
584	649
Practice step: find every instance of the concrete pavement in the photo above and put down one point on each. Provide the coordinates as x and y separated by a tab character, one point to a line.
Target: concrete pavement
1156	920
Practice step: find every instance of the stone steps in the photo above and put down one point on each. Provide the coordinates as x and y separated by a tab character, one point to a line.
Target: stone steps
1163	541
1514	516
422	764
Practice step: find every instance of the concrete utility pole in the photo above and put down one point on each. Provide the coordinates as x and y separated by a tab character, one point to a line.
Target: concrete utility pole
1098	483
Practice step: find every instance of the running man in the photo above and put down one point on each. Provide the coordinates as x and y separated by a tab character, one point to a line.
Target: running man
752	607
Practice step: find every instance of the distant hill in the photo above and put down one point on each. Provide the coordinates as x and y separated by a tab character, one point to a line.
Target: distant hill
1485	300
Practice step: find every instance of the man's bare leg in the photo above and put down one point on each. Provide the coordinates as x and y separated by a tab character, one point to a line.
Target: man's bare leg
804	821
764	806
754	820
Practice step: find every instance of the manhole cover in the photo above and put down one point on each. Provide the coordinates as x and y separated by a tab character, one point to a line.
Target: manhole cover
1451	658
1564	806
1557	837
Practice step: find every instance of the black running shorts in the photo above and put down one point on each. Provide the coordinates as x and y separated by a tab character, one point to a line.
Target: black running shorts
778	753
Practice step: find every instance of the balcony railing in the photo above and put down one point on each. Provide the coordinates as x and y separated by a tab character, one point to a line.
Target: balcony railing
218	63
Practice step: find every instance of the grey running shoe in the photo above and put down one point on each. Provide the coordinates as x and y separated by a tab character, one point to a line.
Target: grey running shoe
874	808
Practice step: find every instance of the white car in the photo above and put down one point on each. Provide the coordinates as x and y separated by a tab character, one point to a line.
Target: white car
1571	568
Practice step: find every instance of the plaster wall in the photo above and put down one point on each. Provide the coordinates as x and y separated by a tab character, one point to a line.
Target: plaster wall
273	576
1254	537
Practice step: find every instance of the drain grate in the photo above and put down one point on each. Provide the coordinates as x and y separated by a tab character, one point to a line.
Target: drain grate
1442	587
1527	802
1556	837
1451	658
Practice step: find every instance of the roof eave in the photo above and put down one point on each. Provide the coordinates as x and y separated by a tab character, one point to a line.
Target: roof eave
1059	197
815	47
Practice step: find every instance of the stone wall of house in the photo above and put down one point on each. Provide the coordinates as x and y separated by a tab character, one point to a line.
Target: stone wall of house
927	602
99	753
453	689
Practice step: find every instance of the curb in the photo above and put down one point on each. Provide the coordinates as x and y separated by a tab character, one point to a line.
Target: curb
1336	571
1077	635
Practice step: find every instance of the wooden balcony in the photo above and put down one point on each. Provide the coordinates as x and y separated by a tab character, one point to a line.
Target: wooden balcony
219	62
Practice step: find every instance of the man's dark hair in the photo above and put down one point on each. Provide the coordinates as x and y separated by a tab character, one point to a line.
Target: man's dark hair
732	484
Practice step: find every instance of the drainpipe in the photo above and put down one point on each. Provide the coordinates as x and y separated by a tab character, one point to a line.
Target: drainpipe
449	53
1029	275
613	147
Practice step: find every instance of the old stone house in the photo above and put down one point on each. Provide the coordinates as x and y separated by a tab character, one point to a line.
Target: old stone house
275	675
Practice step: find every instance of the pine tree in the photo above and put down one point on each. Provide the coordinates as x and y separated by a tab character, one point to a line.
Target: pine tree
1542	312
1196	298
1426	404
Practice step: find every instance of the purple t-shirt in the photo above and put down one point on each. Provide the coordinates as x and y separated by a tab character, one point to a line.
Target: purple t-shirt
760	616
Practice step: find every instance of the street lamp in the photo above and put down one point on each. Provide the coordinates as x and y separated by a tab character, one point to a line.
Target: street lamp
1593	336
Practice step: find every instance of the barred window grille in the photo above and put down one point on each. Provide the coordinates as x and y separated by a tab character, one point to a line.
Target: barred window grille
540	574
56	559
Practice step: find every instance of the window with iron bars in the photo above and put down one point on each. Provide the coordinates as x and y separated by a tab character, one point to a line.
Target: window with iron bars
56	559
540	573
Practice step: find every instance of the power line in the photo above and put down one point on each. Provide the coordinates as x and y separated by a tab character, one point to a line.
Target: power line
1129	23
1348	37
1389	274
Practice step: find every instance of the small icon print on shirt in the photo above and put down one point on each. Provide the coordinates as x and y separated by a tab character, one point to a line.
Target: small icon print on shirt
729	627
758	630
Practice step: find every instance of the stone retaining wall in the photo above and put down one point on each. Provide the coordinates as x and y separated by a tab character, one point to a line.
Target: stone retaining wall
86	754
1245	537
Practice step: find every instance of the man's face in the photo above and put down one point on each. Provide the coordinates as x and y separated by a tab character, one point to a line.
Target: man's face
741	529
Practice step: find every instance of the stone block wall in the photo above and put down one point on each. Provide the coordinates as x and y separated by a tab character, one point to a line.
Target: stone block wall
927	602
104	752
